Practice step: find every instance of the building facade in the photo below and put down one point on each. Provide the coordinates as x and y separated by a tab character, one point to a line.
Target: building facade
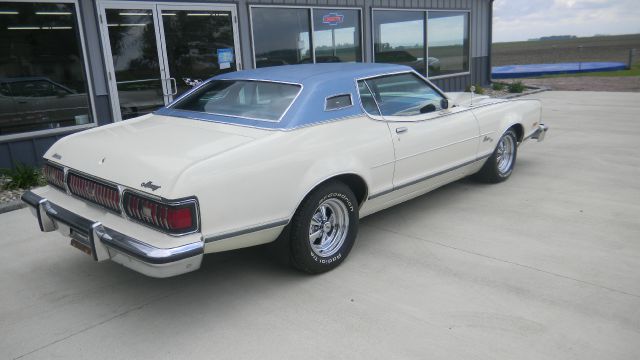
69	65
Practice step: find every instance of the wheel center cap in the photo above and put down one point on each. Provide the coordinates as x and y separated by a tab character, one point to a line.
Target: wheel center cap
326	226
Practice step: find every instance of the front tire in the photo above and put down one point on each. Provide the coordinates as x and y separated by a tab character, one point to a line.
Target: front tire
324	228
500	164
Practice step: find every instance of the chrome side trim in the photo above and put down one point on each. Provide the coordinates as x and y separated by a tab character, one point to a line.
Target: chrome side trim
424	178
321	122
212	238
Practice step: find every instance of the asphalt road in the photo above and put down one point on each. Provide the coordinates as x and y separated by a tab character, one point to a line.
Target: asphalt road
544	266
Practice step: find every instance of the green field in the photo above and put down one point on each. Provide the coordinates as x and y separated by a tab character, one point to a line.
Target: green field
596	48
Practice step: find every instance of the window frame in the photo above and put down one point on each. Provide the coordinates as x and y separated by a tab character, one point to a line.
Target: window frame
426	37
87	77
397	118
311	27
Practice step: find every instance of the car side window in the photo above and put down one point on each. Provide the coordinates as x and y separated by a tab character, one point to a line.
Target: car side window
34	88
367	100
404	95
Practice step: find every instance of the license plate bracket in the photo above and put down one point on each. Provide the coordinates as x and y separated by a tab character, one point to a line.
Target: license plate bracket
82	242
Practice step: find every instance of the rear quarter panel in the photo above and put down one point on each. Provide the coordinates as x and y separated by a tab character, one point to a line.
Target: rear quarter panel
265	181
496	118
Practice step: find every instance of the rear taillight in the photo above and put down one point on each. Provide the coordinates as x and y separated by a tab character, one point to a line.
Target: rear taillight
54	175
94	191
173	218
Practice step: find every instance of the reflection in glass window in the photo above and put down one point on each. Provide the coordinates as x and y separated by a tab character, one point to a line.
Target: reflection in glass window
42	78
336	35
404	95
132	38
193	40
399	38
281	36
448	41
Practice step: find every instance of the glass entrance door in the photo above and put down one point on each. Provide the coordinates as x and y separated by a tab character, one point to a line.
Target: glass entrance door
158	52
198	43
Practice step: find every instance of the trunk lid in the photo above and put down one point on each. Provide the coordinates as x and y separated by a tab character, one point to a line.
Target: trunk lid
151	148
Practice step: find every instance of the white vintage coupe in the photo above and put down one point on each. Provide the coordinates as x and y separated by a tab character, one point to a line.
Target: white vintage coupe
294	153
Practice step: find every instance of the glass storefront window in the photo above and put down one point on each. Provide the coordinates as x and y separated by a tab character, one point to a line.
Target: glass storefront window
399	38
336	35
42	76
281	36
448	42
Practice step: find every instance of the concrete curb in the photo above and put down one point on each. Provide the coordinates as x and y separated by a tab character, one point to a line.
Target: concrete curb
537	90
12	205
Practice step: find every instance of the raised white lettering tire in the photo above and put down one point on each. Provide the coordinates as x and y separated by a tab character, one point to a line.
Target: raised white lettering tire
324	228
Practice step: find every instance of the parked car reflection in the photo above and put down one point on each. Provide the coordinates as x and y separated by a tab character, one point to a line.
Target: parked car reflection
403	57
36	103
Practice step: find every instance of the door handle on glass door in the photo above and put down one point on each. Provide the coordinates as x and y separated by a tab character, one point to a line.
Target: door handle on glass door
401	130
175	86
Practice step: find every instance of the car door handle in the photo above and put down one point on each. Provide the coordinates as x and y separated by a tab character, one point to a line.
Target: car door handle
401	130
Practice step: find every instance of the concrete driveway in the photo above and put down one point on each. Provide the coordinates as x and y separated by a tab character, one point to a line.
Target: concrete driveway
544	266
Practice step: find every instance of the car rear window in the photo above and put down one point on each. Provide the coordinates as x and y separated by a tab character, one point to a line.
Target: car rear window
251	99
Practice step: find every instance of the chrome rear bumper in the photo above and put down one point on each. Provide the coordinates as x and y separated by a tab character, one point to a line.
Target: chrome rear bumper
109	244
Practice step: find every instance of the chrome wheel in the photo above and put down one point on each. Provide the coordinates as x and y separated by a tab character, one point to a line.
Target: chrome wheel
329	227
505	154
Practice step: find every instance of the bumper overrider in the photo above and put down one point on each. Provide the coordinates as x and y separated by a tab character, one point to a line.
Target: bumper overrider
103	243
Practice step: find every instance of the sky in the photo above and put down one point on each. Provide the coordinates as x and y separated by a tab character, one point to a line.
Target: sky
515	20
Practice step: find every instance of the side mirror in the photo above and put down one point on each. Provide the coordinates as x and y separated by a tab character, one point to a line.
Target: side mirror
444	103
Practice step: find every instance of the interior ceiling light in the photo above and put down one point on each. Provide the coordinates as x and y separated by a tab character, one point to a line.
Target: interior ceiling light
23	28
53	13
134	14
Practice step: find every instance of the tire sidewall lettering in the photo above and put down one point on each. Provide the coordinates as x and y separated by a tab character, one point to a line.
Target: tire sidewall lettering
337	256
339	196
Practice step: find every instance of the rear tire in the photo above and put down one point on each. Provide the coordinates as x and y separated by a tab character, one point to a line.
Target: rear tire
323	229
500	164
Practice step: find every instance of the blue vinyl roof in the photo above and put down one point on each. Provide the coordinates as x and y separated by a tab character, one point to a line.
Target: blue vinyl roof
318	81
